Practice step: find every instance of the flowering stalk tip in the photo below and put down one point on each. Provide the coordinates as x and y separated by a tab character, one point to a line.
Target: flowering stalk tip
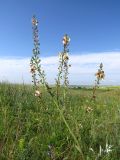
100	75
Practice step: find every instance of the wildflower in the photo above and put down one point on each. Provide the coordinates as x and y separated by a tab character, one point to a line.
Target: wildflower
38	75
33	69
66	40
80	125
100	74
38	93
63	68
108	148
89	109
34	21
65	57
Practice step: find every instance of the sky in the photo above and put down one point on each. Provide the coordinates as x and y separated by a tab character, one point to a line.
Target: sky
93	26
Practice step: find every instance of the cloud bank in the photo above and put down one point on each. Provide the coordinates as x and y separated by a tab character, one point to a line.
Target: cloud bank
84	66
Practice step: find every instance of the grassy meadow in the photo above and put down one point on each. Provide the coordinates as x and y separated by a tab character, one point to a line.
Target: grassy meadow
33	129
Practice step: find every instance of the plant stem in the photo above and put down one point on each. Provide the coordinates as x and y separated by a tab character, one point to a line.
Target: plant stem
69	129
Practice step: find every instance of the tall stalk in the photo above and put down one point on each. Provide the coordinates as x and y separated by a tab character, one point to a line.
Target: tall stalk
38	75
37	72
63	68
99	76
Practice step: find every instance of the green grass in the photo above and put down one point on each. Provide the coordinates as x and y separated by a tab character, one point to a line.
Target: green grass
32	129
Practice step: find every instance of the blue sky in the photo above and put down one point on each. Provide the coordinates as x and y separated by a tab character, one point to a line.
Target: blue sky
93	25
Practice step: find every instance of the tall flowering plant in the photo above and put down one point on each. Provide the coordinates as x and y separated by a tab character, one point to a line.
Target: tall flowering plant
38	75
63	66
65	59
100	75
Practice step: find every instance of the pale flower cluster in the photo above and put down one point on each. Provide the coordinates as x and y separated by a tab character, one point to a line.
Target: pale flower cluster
32	69
65	57
38	93
34	21
66	40
100	74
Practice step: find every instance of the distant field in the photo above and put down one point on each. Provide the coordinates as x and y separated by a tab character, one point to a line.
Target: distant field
32	129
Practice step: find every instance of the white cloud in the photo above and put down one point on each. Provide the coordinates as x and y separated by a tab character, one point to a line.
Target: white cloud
82	71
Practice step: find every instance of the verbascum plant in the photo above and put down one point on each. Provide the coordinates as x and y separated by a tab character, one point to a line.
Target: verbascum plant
38	75
100	75
63	67
66	41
